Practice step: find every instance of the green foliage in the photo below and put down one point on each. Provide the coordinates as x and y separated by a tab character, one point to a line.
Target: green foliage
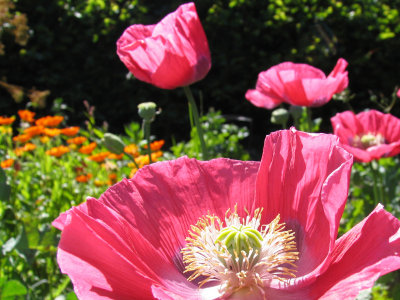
222	139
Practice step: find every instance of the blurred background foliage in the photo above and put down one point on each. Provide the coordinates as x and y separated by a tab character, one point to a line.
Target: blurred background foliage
66	49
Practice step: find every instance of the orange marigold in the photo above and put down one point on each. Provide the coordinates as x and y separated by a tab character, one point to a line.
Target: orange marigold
27	147
34	130
26	115
112	178
22	138
83	178
70	131
77	140
88	148
132	149
7	163
116	156
99	157
57	151
156	145
51	132
50	121
7	121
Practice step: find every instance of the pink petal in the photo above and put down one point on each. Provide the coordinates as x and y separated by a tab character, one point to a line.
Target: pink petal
261	99
369	250
98	261
135	231
171	196
170	54
305	178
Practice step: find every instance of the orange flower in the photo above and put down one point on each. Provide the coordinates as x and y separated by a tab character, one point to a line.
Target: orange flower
116	156
99	157
33	130
7	163
83	178
22	138
77	140
51	132
7	121
26	115
132	149
70	131
57	151
88	148
156	145
27	147
50	121
112	178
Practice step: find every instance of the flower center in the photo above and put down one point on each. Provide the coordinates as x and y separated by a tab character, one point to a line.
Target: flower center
240	253
368	140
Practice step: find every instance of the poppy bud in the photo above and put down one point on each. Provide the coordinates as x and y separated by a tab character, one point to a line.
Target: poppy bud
113	143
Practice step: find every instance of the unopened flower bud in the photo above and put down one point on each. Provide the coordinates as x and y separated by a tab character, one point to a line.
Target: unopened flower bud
113	143
280	116
296	111
147	111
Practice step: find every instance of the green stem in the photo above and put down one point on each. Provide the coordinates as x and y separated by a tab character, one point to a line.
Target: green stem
133	159
146	131
377	195
196	118
309	119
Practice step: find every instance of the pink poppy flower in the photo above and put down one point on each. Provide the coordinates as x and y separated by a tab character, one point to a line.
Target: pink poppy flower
246	228
398	93
169	54
297	84
368	135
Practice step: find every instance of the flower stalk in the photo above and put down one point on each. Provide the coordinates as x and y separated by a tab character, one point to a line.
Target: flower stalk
195	115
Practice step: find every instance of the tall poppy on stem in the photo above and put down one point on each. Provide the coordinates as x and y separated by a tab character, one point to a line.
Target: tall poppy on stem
228	229
172	53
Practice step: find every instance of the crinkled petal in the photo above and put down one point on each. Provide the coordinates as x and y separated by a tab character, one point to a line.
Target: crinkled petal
305	178
369	250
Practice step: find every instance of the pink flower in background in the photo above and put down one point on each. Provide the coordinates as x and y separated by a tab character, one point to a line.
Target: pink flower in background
398	93
297	84
169	54
368	135
137	239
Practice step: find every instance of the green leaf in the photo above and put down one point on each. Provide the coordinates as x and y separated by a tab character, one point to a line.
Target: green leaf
71	296
13	288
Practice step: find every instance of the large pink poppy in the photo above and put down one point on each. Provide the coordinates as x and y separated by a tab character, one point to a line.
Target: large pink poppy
129	243
368	135
297	84
169	54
